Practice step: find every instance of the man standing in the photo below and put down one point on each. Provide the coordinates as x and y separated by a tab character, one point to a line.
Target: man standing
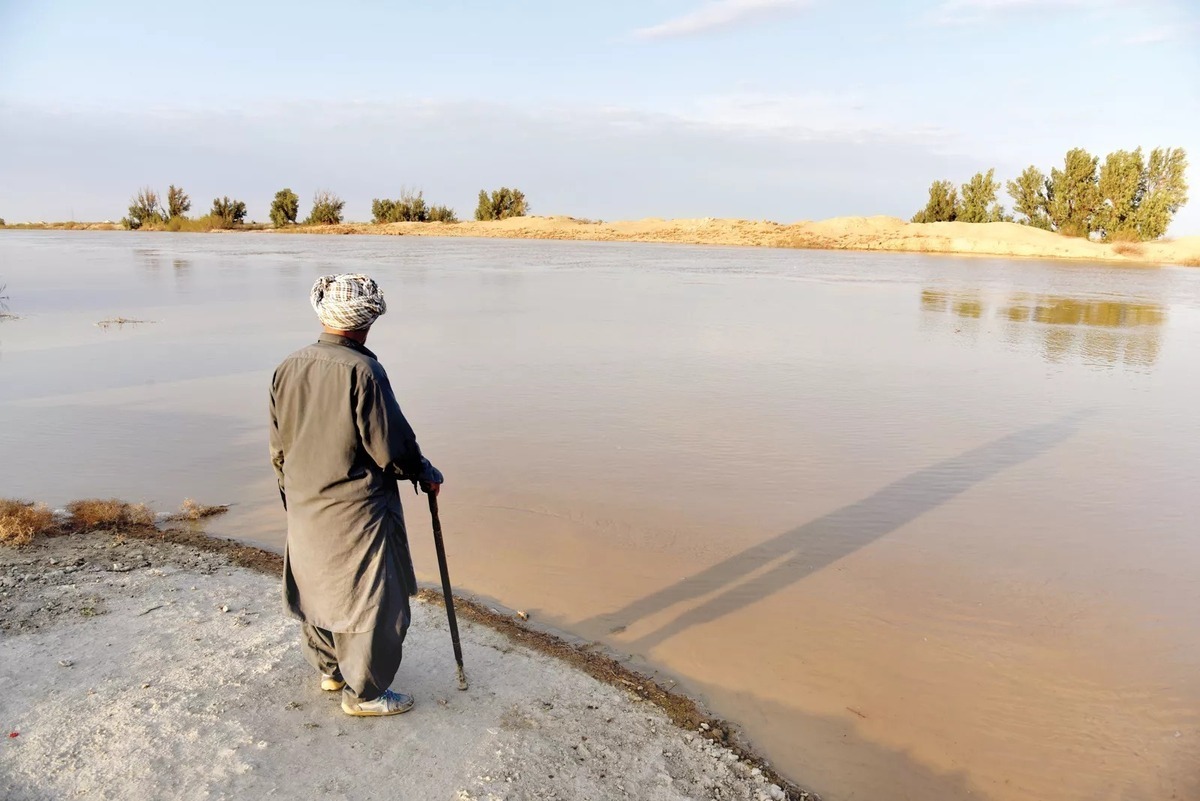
341	446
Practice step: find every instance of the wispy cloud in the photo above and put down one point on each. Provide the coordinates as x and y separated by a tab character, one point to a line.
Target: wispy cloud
1153	36
958	12
720	14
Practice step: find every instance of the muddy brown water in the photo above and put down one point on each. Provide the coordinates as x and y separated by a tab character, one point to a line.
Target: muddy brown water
925	527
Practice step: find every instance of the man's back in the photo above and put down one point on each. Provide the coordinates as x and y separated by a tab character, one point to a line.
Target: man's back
339	444
313	396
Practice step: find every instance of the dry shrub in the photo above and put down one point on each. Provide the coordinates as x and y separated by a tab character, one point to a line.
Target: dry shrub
21	522
191	510
1124	235
111	513
1193	262
1131	249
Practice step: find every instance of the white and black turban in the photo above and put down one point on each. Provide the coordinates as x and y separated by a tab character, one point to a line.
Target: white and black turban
347	302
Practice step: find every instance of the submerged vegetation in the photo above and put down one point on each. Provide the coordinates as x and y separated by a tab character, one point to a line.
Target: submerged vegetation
119	321
4	313
1128	198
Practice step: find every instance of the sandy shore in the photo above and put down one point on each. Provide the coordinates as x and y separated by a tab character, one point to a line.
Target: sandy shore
149	668
841	233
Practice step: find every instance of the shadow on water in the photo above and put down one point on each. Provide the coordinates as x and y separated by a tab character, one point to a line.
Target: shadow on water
876	771
802	551
1099	332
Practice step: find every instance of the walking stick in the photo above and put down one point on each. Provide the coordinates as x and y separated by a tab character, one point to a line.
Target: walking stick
446	591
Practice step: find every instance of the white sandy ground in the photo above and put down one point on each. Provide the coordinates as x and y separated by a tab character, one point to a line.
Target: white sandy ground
144	670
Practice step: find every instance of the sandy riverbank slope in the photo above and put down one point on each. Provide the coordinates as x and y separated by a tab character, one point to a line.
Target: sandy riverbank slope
842	233
140	669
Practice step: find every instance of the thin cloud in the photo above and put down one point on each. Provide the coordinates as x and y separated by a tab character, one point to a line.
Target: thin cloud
720	14
1153	37
957	12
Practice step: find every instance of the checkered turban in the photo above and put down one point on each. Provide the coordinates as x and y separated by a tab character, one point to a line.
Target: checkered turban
347	302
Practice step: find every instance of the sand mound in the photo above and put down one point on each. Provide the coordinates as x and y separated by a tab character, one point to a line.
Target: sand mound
840	233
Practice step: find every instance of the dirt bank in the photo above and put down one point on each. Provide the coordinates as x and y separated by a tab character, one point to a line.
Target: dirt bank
160	666
842	233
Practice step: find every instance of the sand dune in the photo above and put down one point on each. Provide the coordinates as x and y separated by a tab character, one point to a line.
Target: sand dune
841	233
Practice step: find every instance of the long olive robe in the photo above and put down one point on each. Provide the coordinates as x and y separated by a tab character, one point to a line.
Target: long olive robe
340	445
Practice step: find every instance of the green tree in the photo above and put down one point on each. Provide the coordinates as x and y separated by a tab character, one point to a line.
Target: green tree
501	204
443	214
227	213
284	208
979	203
411	207
326	209
383	210
1166	191
1073	194
178	203
1029	195
1122	187
144	209
942	206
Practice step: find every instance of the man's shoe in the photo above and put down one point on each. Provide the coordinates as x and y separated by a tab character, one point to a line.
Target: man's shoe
389	703
331	683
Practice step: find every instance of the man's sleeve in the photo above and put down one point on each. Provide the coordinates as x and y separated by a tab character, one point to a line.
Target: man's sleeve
276	443
386	436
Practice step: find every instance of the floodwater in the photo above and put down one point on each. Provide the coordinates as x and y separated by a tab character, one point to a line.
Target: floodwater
925	527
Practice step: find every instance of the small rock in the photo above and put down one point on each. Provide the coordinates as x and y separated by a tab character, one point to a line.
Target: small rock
146	685
776	793
224	608
65	663
521	613
704	727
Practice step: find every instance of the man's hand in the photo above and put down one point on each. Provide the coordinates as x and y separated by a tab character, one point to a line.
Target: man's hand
429	488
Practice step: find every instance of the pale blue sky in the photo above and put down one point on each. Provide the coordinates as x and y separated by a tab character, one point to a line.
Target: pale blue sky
780	109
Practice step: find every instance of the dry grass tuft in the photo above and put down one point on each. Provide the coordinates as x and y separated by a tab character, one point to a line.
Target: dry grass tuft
1133	250
21	522
191	510
1191	262
110	513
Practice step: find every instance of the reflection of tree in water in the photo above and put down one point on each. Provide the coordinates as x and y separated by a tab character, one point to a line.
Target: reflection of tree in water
1103	332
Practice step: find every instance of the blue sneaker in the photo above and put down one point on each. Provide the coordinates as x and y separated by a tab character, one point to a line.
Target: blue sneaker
389	703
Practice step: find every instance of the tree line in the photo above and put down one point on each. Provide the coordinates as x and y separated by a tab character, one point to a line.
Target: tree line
1127	197
146	209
